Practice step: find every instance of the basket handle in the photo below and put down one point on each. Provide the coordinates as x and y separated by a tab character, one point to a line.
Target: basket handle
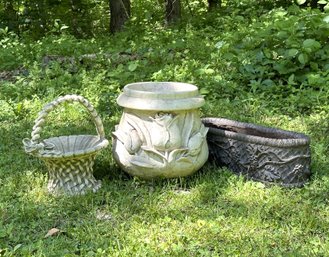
34	144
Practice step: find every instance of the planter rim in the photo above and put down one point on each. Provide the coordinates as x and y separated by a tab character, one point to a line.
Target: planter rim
160	96
290	139
93	149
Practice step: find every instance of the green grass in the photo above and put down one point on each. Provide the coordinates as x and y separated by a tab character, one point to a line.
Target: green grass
211	213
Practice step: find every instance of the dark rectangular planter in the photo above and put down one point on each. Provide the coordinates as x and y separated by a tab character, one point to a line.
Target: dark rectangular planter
264	154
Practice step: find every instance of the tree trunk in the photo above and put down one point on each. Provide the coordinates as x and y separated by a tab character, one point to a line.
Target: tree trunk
213	4
173	11
120	13
10	17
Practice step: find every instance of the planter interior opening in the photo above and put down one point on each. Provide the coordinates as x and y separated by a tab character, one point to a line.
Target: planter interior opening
162	87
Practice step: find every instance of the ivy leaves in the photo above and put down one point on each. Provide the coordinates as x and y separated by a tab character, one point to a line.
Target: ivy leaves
291	45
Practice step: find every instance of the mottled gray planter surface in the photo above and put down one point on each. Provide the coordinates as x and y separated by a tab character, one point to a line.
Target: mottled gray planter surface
264	154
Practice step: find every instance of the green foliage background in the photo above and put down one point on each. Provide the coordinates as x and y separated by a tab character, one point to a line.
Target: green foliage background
265	63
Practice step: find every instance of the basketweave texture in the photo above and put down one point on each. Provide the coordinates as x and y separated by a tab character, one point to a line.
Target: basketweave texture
69	159
268	155
75	175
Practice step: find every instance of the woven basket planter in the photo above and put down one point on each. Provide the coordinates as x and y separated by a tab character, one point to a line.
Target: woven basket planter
69	159
264	154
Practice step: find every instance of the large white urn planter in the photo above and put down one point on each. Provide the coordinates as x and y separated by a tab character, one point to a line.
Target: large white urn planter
160	133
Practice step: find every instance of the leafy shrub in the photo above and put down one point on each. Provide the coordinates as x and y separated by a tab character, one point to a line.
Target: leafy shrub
9	56
320	4
284	52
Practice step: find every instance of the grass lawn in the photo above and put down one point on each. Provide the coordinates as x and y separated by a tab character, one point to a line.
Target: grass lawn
211	213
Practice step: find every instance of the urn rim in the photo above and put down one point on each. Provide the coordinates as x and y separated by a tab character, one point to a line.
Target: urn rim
165	96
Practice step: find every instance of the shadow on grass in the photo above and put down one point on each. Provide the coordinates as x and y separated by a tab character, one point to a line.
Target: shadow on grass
213	203
211	197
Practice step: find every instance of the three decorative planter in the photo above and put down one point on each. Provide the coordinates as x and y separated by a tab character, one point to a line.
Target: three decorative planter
69	159
160	133
260	153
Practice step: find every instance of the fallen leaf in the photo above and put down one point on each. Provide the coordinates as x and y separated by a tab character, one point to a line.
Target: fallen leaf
102	215
182	192
52	232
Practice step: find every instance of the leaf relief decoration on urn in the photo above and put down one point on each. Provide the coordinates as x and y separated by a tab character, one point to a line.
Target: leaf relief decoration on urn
161	139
